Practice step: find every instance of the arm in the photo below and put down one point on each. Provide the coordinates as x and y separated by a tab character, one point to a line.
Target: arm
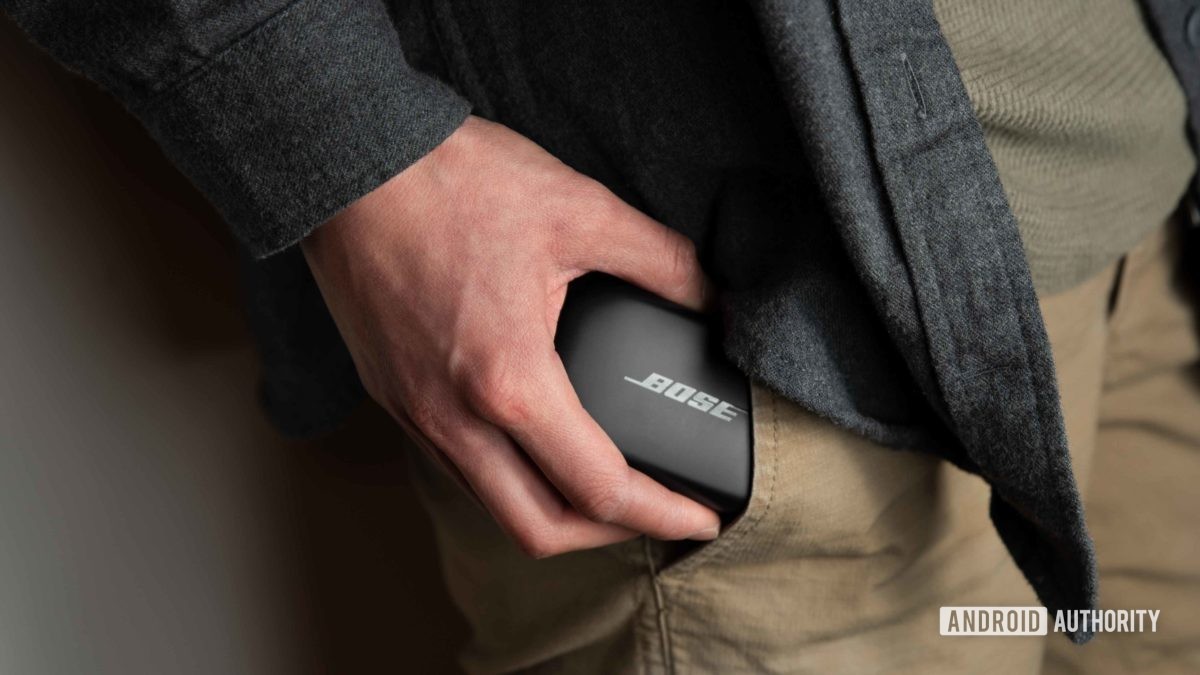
281	112
446	271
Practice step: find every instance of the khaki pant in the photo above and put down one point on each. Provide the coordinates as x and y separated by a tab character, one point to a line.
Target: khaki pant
848	549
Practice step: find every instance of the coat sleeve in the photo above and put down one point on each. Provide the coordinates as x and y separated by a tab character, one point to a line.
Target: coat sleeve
281	111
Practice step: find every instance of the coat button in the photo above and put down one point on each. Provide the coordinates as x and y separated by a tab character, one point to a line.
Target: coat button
1192	28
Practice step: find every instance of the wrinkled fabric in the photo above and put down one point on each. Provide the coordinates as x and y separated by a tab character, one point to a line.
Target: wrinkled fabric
848	550
824	155
282	113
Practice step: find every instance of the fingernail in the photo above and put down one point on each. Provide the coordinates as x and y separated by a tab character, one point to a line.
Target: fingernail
707	534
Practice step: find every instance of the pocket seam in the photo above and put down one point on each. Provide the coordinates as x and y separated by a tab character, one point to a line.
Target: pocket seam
720	549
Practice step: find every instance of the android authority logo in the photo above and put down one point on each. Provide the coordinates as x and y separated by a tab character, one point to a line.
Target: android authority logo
678	391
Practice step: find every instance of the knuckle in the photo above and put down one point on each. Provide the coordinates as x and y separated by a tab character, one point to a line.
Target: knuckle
497	393
682	262
536	543
427	416
604	501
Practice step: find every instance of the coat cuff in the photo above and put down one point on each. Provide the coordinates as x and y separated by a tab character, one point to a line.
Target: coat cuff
300	117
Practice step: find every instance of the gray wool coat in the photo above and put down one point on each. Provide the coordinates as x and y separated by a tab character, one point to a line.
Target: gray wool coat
823	154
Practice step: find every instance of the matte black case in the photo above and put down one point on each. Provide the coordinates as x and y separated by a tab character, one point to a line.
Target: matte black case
651	372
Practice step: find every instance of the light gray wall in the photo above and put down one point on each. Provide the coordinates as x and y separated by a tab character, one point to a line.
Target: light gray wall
150	521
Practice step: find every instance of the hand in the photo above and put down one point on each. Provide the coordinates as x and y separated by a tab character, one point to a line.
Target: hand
446	283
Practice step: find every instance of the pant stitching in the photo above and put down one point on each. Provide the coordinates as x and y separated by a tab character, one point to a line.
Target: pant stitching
660	608
727	549
722	547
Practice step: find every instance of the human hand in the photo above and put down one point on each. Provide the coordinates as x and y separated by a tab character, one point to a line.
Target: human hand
446	283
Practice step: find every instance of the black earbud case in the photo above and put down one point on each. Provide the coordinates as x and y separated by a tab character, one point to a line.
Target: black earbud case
652	374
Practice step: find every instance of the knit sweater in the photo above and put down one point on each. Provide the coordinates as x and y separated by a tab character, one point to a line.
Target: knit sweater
1085	122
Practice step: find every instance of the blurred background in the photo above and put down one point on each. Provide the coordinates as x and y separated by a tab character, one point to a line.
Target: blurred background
150	520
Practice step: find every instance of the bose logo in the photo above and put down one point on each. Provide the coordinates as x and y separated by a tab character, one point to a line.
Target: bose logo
678	391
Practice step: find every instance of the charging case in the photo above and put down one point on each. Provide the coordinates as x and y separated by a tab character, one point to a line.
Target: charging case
653	375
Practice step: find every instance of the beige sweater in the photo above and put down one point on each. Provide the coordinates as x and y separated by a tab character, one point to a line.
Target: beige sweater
1085	121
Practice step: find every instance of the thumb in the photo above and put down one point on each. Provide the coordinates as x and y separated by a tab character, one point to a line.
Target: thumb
635	247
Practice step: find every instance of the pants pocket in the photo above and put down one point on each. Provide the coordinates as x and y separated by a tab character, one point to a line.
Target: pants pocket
680	557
